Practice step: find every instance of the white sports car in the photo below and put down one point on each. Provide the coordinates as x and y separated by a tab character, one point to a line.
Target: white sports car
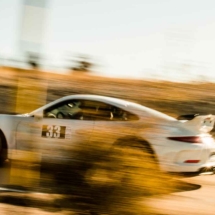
177	145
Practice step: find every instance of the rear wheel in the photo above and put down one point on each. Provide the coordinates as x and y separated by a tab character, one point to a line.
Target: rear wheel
138	170
137	154
127	173
129	163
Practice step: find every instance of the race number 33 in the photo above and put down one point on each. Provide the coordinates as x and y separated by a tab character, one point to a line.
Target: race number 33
53	131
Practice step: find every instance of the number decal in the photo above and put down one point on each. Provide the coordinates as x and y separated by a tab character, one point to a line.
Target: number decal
53	131
57	131
49	132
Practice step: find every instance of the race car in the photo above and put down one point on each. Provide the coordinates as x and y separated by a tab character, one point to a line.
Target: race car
54	129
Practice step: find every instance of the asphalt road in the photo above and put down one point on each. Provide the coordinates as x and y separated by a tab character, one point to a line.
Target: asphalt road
194	195
197	197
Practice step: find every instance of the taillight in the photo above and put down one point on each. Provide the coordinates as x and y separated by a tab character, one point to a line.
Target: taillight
187	139
192	161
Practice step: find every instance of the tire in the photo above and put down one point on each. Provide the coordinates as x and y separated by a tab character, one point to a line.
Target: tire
3	149
128	172
137	144
126	160
136	166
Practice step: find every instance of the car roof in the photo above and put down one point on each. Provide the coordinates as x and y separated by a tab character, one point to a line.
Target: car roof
111	100
97	98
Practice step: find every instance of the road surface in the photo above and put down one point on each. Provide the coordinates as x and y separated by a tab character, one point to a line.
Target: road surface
197	198
193	196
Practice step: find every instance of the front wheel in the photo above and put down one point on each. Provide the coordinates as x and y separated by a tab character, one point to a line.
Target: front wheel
3	150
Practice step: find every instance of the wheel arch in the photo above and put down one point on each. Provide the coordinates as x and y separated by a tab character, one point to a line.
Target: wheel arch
137	142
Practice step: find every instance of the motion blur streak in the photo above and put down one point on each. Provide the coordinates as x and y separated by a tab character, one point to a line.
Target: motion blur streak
88	178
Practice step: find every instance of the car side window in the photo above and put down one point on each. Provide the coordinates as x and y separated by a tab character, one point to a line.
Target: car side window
122	115
100	111
64	110
94	110
88	110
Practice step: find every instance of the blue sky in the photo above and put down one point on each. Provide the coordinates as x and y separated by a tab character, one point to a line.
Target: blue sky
171	39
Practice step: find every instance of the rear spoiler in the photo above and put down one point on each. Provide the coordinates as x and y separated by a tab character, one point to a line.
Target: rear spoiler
202	123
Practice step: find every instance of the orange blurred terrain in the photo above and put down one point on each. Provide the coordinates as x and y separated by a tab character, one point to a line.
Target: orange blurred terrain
25	90
39	88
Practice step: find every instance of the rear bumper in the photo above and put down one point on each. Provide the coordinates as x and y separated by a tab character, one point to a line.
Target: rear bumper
197	169
184	168
185	157
194	168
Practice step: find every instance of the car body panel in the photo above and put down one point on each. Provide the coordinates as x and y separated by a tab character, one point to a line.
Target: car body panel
53	137
112	119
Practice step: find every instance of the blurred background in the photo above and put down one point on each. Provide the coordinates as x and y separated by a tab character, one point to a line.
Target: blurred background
132	43
165	40
156	53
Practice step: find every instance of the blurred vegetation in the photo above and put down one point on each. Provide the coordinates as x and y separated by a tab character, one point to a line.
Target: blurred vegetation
33	60
168	97
98	179
82	64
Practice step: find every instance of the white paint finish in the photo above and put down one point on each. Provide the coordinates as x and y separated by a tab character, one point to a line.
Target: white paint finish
24	132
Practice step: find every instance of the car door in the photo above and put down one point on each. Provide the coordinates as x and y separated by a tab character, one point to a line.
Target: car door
57	133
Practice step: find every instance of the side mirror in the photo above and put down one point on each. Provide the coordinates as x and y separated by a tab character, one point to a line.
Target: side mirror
38	115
